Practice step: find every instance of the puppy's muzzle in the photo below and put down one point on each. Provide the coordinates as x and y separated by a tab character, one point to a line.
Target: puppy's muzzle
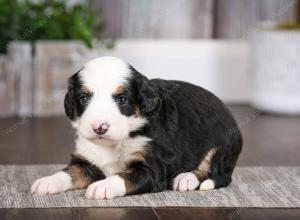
101	128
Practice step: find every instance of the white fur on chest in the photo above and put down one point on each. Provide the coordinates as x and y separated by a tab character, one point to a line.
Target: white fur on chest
109	159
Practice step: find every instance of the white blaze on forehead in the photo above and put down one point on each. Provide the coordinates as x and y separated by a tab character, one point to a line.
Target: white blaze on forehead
105	74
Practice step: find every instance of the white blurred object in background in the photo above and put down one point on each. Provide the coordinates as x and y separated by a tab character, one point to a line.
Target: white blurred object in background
217	65
275	71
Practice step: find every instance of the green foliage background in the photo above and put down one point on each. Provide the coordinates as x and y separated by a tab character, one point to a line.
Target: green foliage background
48	20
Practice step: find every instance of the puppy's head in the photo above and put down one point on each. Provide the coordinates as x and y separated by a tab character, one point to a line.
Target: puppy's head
107	99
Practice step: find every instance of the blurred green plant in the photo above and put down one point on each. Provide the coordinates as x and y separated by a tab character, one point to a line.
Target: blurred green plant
48	20
9	22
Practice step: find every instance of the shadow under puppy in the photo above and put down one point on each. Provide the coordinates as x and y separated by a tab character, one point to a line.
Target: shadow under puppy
136	135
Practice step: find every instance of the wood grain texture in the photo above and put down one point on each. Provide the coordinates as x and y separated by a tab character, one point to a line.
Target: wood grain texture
227	213
20	65
150	214
54	63
237	18
269	140
78	213
262	187
157	19
6	89
7	86
51	139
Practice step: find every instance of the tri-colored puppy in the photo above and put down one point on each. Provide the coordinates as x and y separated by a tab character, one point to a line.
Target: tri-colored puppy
136	135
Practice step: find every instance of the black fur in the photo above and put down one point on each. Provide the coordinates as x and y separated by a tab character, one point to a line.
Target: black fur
184	122
73	107
90	170
187	124
130	107
147	96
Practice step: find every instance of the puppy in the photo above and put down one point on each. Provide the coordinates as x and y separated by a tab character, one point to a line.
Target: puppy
136	135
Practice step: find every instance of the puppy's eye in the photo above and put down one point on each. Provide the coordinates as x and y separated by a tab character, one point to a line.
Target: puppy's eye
84	99
121	99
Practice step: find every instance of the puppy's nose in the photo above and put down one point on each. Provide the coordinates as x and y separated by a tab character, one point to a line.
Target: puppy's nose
100	128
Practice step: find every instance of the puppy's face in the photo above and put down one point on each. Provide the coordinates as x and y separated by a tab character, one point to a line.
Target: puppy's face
107	99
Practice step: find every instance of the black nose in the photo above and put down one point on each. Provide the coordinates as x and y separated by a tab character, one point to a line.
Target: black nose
102	129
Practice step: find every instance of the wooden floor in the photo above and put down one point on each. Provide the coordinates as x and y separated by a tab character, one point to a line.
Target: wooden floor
268	141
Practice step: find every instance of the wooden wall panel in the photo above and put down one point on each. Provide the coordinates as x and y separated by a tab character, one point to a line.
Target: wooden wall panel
54	63
190	18
7	90
42	93
236	18
19	62
157	19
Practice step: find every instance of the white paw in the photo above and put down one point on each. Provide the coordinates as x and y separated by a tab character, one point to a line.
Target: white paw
59	182
108	188
185	182
207	185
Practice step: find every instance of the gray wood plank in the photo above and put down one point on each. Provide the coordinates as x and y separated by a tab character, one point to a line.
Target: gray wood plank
157	19
262	187
20	62
7	91
236	18
54	62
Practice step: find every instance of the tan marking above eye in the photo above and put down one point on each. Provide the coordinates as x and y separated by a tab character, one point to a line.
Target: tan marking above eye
85	89
119	90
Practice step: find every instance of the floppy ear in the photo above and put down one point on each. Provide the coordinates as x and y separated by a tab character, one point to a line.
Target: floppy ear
148	97
69	102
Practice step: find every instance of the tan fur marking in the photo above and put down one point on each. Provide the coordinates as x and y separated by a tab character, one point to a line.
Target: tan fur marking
138	156
85	89
119	90
137	112
128	184
204	166
79	179
113	168
129	157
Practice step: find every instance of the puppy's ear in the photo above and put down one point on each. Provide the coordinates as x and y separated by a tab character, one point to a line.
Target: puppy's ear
148	97
70	101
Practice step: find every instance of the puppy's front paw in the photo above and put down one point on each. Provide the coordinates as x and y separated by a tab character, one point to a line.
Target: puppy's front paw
108	188
208	184
185	182
48	185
